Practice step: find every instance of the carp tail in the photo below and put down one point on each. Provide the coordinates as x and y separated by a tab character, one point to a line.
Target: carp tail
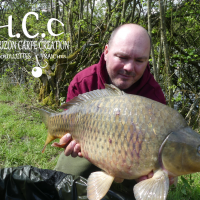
45	114
48	140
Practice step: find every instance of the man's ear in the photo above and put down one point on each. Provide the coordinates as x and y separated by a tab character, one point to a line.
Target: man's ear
105	52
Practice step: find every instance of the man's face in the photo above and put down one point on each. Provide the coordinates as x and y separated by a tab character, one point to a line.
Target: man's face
127	57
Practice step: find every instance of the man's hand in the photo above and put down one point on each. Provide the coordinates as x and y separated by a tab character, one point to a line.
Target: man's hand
150	175
70	146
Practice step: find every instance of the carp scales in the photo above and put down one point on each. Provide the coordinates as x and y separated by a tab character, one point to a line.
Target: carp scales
127	136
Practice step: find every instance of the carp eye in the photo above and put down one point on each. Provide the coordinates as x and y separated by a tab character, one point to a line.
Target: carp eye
198	149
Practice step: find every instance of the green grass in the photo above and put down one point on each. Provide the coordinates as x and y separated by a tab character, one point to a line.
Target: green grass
22	136
188	188
22	133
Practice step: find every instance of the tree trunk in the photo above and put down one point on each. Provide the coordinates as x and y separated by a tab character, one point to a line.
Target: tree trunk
123	11
70	25
159	56
80	18
57	8
152	47
166	52
92	4
51	5
109	10
133	11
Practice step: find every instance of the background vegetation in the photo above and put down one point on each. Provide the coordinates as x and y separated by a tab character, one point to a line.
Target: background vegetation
173	25
175	62
22	133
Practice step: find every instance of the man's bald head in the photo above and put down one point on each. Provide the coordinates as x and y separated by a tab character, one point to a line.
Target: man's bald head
127	55
133	27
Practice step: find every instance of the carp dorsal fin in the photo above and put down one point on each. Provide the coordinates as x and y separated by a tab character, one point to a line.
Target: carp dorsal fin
110	90
113	90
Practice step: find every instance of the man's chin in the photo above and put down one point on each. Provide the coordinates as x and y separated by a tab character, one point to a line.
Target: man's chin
122	85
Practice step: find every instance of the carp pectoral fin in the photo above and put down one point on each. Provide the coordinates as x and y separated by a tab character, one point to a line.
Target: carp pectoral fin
98	185
155	188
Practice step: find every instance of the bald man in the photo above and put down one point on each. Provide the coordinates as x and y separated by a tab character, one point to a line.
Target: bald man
124	64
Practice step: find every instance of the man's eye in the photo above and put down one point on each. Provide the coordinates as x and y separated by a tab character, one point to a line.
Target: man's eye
121	57
140	61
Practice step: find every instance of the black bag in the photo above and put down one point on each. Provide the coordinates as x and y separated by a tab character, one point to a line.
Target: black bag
31	183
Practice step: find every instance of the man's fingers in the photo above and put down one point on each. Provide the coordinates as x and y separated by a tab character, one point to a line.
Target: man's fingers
150	175
77	151
142	178
74	154
65	139
80	154
77	148
70	148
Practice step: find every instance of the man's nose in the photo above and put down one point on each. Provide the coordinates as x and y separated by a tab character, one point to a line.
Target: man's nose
129	66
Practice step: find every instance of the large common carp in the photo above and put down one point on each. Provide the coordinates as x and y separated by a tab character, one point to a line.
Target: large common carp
128	136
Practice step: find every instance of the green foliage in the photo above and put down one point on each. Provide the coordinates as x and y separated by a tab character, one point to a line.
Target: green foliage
22	135
18	93
187	188
88	28
177	98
